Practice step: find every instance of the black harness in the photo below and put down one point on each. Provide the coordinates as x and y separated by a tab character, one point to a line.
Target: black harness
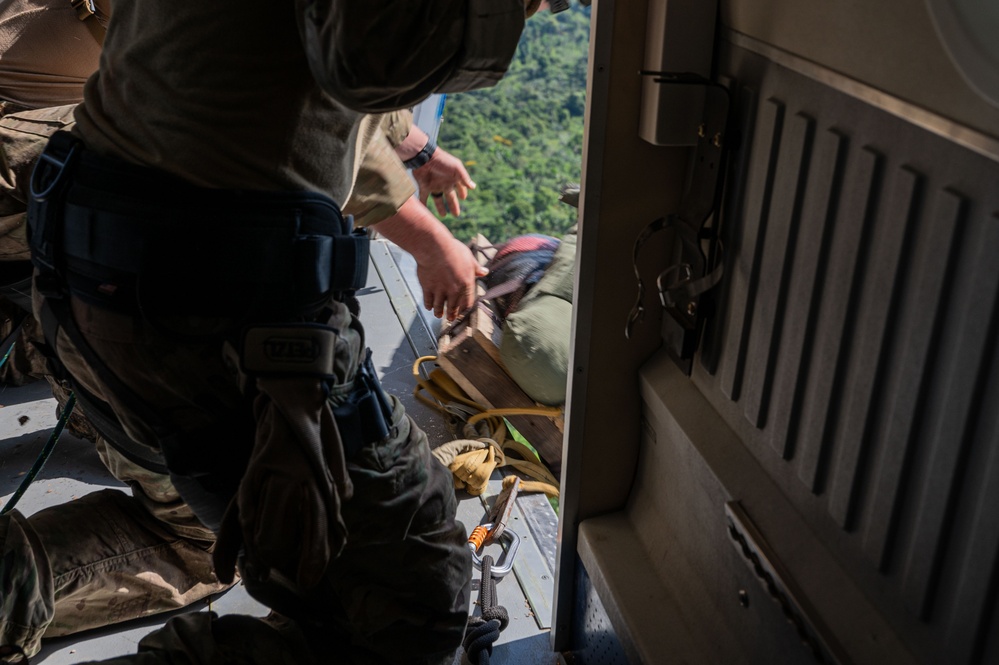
136	240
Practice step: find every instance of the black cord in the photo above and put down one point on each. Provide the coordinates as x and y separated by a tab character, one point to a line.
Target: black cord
483	631
42	457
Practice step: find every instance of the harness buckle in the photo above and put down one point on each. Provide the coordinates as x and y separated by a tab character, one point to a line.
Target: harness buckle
84	8
52	165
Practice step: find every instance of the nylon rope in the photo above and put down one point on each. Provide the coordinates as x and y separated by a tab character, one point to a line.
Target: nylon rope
43	456
484	630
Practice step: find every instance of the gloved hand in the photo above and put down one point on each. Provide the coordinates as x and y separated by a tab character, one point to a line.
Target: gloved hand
286	514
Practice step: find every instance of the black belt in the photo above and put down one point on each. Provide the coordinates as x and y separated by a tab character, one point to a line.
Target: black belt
126	237
116	234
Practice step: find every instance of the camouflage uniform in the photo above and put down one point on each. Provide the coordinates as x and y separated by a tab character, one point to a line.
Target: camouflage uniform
101	559
62	570
23	134
234	104
47	53
400	586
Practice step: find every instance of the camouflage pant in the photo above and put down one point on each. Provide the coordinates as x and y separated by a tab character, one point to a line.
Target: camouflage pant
104	558
400	588
23	135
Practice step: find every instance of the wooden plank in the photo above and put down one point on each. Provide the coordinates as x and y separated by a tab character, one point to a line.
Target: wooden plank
469	352
470	357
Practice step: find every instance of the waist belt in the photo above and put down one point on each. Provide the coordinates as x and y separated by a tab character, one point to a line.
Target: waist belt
126	237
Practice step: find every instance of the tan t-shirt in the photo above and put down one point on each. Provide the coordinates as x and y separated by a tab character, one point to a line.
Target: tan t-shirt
220	94
46	52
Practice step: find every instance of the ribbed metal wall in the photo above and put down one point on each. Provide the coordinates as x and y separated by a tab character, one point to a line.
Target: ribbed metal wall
855	346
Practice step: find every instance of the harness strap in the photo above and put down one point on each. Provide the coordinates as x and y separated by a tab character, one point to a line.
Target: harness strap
248	255
108	426
84	233
7	345
93	18
43	456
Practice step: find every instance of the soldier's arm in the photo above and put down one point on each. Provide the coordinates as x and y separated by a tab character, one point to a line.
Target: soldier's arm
384	55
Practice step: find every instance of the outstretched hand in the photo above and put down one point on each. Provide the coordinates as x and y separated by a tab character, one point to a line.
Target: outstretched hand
448	280
444	179
446	268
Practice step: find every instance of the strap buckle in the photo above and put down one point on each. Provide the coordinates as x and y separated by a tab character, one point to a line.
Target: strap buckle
84	9
52	164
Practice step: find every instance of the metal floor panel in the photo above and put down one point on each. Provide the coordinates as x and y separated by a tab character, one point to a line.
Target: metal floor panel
397	330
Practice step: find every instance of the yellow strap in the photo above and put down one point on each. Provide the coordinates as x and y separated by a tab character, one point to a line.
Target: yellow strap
473	459
552	411
95	21
532	486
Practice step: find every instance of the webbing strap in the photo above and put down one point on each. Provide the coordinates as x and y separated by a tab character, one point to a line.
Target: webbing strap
56	314
108	426
473	459
95	21
8	343
113	231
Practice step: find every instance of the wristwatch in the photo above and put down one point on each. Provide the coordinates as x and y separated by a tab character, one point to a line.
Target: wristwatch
422	157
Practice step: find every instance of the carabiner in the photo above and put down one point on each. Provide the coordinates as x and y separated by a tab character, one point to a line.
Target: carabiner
505	562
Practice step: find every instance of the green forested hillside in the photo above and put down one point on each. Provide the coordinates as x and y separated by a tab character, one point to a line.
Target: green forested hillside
522	140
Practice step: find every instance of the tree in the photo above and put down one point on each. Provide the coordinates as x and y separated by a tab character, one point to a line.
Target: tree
522	140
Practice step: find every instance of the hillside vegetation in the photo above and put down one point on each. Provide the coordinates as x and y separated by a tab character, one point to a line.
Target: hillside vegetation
522	140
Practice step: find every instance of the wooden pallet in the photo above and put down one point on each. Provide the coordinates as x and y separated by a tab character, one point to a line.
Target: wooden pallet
469	352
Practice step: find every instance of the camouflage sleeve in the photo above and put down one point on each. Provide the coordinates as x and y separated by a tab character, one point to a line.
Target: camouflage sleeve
396	126
382	184
382	55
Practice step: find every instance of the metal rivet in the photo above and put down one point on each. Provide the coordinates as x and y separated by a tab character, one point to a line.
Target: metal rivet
701	131
743	598
691	308
717	140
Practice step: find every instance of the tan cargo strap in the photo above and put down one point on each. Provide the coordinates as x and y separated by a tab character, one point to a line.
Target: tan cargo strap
486	447
95	20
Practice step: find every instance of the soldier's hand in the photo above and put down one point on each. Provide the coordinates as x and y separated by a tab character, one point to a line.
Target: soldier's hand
445	179
446	268
448	280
